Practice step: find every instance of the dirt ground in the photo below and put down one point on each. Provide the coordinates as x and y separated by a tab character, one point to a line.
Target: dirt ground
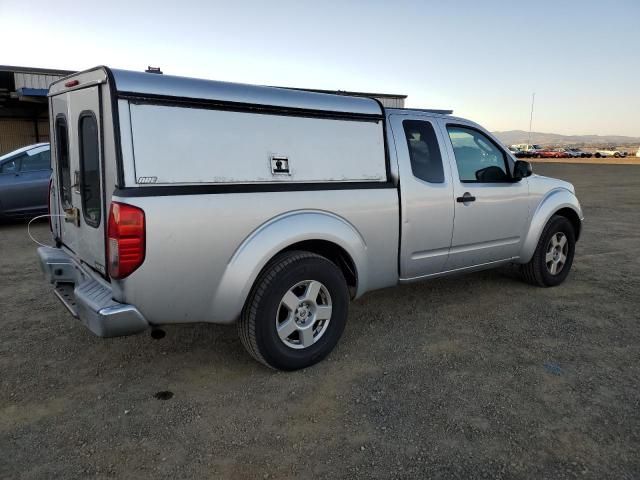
466	377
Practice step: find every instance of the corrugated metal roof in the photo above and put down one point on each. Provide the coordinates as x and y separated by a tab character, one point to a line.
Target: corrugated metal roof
34	80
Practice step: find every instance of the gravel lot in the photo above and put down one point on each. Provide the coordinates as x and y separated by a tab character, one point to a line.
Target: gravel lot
466	377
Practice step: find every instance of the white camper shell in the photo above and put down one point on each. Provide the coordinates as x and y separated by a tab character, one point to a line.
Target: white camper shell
166	131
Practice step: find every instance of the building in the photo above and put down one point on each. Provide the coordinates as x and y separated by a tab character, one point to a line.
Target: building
24	117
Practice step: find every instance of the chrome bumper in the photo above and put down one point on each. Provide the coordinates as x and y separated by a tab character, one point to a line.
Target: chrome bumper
89	298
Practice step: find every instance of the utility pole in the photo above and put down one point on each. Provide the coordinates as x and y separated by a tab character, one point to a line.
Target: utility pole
533	99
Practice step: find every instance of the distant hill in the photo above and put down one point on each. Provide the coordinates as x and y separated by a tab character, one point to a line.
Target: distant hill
512	137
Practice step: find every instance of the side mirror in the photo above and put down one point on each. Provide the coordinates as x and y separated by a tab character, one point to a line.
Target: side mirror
521	169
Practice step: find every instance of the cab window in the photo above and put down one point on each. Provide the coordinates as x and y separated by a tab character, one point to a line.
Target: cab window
424	152
478	159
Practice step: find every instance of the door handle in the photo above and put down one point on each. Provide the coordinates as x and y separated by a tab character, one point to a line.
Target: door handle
467	197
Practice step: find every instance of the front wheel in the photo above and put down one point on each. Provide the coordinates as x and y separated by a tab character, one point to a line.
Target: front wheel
553	256
296	311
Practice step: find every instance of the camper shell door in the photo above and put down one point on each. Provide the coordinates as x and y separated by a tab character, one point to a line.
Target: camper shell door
78	166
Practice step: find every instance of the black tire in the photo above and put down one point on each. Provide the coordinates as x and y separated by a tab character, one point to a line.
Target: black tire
597	155
536	271
617	155
257	324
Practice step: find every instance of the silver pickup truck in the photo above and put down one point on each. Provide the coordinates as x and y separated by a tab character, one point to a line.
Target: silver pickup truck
179	200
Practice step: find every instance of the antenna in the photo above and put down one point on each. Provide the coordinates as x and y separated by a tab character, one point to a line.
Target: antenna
533	99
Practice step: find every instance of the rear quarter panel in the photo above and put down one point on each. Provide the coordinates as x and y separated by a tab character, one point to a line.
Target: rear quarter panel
192	239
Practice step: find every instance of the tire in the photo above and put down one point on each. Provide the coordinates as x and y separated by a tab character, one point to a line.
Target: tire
266	310
617	155
597	155
539	271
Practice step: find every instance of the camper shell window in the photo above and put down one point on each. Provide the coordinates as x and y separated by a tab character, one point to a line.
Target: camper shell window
89	168
62	154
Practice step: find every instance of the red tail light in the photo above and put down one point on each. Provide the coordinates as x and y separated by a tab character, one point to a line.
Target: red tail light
49	205
126	233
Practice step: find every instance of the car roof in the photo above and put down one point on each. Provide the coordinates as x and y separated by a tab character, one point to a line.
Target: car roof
23	150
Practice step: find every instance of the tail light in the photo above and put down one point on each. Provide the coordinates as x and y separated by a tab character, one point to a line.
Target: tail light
49	204
126	234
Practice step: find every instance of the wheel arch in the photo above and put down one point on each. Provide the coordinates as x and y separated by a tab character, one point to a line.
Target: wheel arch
316	231
557	202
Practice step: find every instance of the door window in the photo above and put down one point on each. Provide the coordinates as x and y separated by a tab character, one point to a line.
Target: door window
64	168
478	159
90	168
11	166
39	161
424	152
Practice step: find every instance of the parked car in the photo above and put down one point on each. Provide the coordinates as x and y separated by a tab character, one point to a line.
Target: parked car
576	153
610	152
638	152
528	150
299	203
518	153
550	153
24	181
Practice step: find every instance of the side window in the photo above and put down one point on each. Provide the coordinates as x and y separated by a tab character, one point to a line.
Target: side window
90	168
424	152
11	166
64	169
477	158
39	161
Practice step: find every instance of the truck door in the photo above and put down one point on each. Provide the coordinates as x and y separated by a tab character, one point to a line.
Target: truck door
78	171
426	195
491	210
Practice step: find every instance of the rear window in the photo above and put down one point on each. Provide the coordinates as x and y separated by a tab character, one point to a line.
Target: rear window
64	170
424	152
90	168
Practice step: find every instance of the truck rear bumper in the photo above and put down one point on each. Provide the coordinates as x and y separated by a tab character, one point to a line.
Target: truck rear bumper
88	298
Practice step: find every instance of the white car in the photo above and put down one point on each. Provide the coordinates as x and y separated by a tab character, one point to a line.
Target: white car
610	152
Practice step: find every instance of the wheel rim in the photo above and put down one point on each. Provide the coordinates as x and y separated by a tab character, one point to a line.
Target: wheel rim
557	251
304	314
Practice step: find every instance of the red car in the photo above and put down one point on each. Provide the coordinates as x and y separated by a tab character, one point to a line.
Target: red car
549	153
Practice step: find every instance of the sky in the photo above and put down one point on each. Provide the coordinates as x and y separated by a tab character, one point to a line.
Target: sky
483	59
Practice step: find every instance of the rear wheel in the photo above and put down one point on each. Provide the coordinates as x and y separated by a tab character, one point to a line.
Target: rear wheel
296	312
553	256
